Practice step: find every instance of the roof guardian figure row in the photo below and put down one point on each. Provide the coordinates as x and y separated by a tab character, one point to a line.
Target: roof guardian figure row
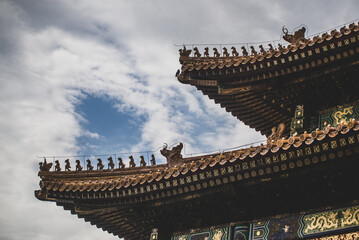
45	166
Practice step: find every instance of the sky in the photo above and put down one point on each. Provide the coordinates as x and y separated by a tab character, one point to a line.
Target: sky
86	78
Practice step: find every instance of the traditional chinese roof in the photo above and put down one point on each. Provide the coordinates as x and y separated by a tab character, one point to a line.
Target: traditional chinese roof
263	89
211	190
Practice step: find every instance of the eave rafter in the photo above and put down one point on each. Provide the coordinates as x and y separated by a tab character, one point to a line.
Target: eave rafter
262	91
298	74
202	182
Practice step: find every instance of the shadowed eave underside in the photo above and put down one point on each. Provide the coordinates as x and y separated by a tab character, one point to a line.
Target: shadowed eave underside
263	89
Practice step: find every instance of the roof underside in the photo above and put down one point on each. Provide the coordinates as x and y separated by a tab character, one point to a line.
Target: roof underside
263	90
290	175
239	186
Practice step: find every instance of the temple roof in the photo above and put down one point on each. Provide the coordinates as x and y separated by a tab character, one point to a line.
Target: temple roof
103	180
130	202
287	175
263	89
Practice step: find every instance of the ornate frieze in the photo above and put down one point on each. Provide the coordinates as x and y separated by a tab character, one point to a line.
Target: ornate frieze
294	227
259	230
345	236
328	221
214	234
339	115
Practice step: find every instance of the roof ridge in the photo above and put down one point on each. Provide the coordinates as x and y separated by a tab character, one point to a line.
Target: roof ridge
88	182
197	61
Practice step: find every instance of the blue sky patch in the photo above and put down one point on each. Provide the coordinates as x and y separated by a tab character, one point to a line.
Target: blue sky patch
116	130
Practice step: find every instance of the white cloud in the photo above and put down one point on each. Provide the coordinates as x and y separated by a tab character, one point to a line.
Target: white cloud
53	53
91	134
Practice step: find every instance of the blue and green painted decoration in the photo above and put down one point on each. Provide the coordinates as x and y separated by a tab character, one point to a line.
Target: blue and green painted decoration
241	233
216	234
333	116
295	227
338	115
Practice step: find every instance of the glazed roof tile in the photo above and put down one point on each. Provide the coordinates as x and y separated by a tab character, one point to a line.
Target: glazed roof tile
80	191
55	181
198	63
263	90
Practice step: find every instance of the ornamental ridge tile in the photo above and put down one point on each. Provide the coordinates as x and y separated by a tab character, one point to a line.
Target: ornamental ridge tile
56	182
198	63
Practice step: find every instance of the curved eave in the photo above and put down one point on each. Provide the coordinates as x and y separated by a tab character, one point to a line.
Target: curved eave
244	89
193	64
129	212
101	181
